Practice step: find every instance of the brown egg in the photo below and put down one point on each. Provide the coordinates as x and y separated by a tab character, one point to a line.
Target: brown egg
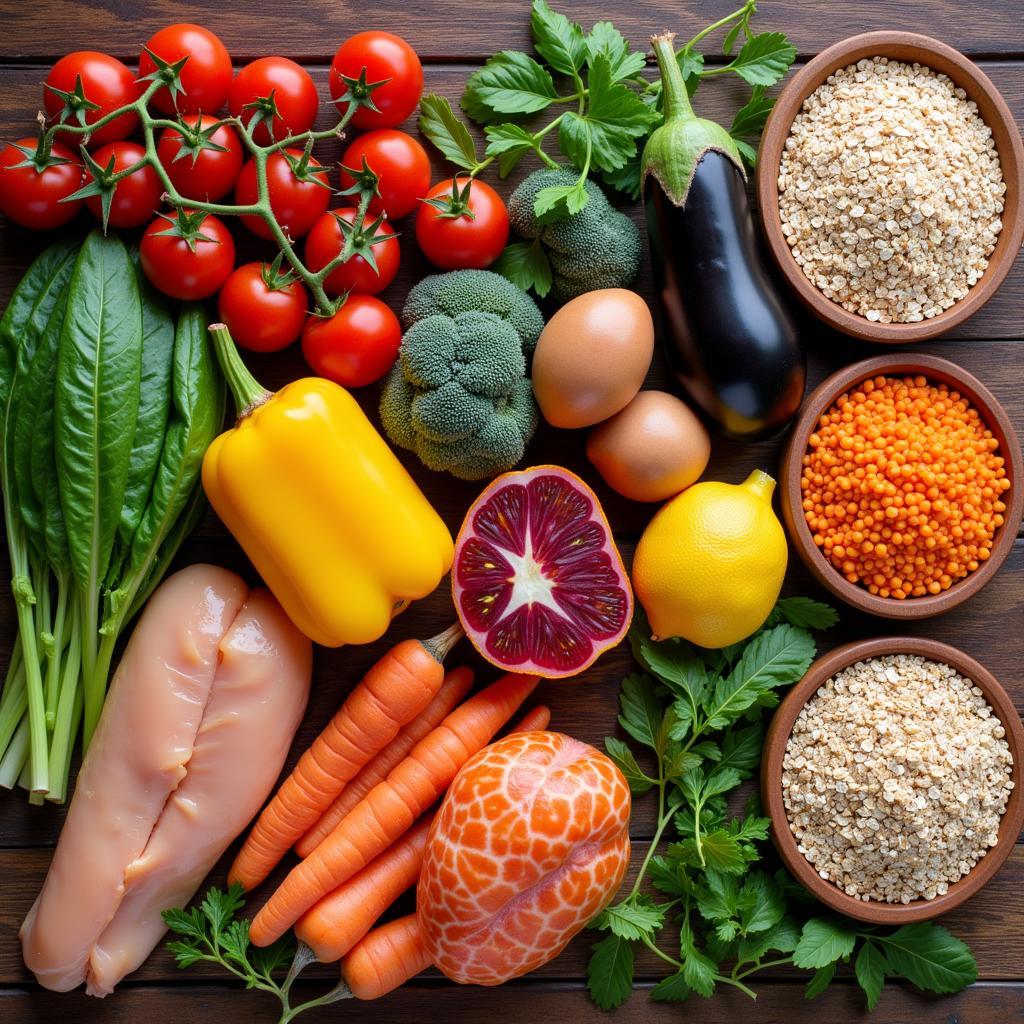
592	357
652	449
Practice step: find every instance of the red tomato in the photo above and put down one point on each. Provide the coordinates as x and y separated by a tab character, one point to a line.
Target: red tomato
357	345
201	172
31	196
384	57
205	77
105	81
297	202
183	270
401	165
294	98
325	242
262	314
469	237
137	197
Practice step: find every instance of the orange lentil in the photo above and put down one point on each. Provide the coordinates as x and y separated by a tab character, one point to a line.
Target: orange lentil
903	487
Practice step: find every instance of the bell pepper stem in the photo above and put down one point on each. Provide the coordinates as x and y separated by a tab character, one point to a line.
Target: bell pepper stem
248	392
438	647
675	99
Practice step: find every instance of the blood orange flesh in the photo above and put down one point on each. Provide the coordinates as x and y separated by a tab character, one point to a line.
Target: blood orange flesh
538	582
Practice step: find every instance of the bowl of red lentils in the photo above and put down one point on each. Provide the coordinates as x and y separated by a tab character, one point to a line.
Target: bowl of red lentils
890	184
903	485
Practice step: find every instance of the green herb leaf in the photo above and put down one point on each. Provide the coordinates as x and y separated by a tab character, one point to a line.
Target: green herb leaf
929	956
616	115
185	954
509	143
559	41
823	941
805	613
721	780
699	973
510	83
691	64
721	851
668	877
749	120
610	972
782	936
184	922
641	711
764	59
623	757
604	38
761	904
447	132
273	958
718	897
871	967
559	202
741	749
634	918
822	979
672	989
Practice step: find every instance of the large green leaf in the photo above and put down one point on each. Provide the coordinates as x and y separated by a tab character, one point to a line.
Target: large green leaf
97	401
198	400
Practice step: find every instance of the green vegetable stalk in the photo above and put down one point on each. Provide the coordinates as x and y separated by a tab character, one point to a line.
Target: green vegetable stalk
108	407
700	714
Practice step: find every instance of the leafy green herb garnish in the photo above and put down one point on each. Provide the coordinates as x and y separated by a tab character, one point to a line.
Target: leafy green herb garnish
700	712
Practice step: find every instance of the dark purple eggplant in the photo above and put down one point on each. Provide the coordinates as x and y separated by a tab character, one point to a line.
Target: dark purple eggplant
730	340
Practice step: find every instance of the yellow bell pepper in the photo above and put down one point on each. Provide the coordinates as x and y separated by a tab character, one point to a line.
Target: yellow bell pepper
327	514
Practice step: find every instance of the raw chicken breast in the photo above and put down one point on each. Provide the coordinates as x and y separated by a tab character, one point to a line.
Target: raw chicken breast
197	665
257	701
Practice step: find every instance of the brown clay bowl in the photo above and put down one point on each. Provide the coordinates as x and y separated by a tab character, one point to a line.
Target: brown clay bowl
910	48
937	371
823	669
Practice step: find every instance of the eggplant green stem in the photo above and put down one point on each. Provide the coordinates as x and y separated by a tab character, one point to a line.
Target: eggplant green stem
675	99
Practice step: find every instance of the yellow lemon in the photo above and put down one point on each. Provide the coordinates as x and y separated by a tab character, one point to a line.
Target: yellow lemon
710	564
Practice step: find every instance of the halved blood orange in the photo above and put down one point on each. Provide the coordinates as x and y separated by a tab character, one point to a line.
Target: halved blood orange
538	582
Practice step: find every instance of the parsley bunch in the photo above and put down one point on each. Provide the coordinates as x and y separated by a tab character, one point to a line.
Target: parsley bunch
701	713
606	107
212	933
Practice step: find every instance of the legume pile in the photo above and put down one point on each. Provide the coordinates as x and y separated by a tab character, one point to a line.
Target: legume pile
890	190
903	486
895	777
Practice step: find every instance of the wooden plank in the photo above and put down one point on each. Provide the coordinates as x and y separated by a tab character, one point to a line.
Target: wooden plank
992	924
423	1003
20	96
447	29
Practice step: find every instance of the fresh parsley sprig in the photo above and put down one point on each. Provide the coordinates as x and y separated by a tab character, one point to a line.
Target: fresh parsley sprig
213	933
700	712
605	107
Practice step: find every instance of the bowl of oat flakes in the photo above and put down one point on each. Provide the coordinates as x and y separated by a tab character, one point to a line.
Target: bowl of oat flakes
892	774
890	187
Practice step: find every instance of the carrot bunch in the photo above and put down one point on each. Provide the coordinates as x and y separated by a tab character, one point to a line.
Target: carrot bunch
356	808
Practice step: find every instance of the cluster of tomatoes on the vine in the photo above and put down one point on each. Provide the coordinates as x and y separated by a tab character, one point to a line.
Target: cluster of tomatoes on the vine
191	255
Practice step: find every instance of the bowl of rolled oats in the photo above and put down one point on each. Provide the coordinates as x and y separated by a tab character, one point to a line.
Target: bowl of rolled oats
890	187
892	774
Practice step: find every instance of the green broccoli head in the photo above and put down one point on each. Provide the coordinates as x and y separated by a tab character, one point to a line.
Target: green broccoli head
458	396
599	247
461	291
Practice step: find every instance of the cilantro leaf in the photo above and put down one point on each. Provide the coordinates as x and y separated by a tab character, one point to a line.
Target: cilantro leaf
782	937
721	780
822	979
668	877
823	941
509	83
610	972
871	967
717	898
185	922
604	38
721	851
623	757
676	664
446	131
509	143
672	989
616	115
764	59
633	918
761	904
557	39
641	711
185	954
929	956
219	907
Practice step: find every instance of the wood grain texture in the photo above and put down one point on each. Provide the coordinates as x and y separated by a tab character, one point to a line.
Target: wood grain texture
452	37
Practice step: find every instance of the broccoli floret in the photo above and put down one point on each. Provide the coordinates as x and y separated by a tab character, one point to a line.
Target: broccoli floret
458	396
599	247
462	290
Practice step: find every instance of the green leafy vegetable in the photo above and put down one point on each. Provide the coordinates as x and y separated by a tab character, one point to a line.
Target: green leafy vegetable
699	712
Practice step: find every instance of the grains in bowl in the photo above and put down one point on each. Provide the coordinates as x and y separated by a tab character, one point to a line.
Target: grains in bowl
891	191
903	486
895	777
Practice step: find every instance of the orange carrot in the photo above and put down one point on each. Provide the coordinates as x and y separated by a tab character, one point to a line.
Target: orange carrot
334	925
388	957
456	686
395	690
391	807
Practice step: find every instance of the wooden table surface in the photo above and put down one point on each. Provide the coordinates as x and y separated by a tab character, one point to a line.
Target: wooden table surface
452	37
